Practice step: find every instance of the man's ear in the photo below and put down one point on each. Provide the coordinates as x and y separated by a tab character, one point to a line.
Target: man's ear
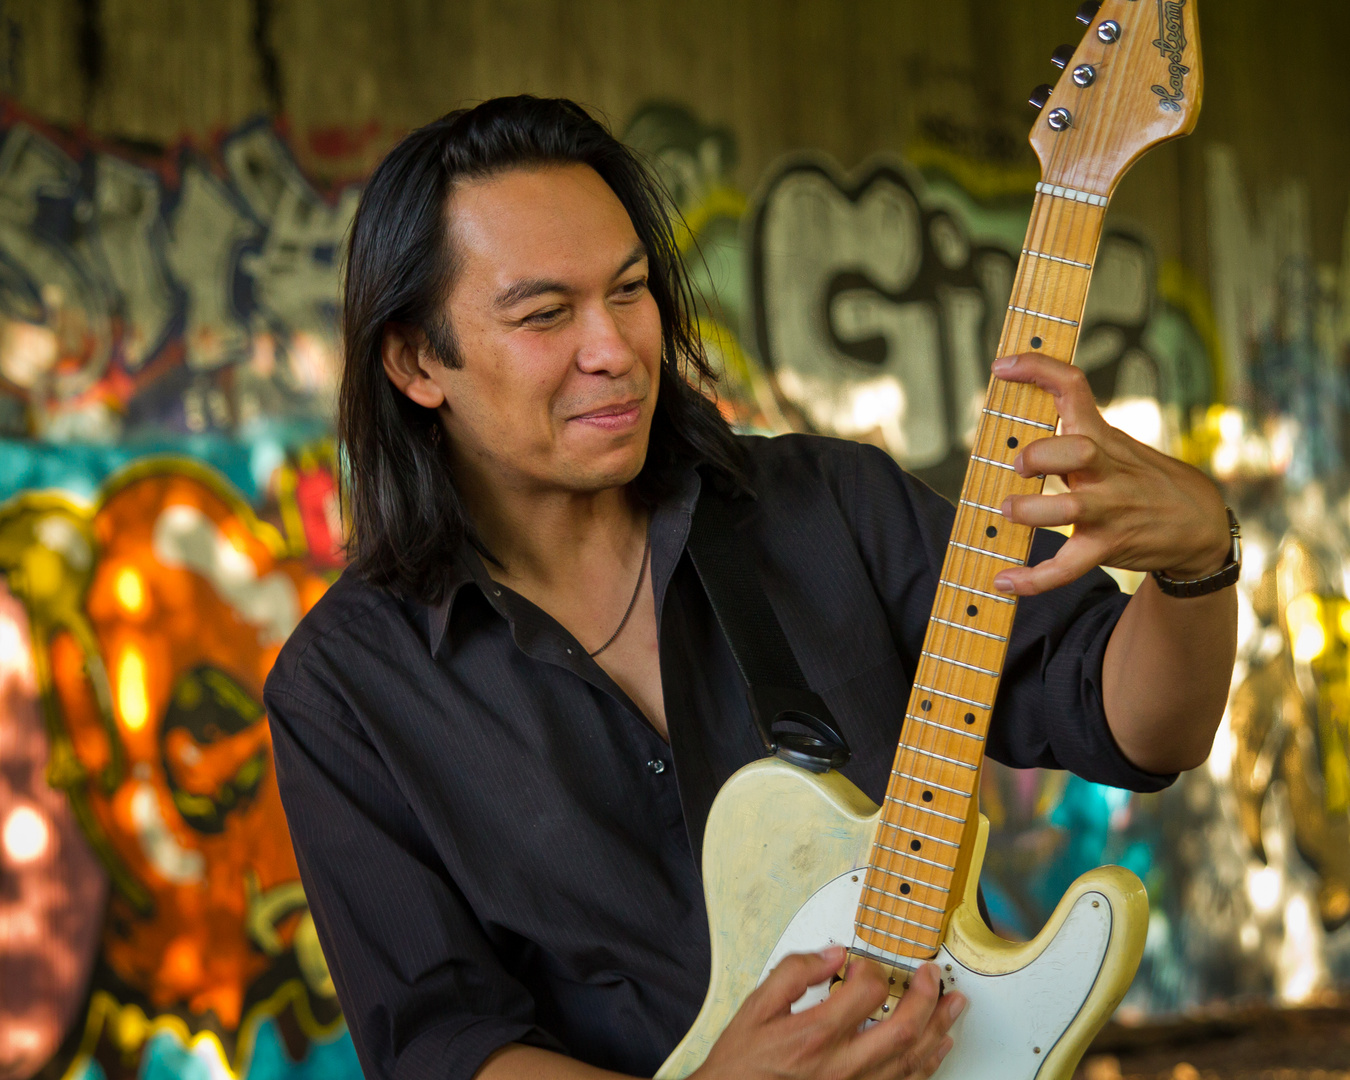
407	362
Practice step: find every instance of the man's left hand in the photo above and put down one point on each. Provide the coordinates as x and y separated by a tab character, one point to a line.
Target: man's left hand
1130	506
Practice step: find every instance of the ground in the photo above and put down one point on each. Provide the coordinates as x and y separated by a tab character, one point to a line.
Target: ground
1247	1043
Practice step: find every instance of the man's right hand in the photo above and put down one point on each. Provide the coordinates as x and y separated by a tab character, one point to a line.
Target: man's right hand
767	1039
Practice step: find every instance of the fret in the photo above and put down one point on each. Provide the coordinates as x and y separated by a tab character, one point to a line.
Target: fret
1060	244
946	727
1041	315
977	592
958	663
901	918
1021	420
1056	258
969	629
897	937
897	896
942	757
985	551
981	506
925	782
915	832
954	697
916	858
925	809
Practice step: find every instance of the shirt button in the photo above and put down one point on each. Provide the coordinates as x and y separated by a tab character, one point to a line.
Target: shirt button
656	766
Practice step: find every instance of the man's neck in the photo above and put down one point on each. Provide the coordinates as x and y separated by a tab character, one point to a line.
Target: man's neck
544	539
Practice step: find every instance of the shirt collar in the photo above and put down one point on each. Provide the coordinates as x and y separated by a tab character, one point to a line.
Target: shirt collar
669	530
438	615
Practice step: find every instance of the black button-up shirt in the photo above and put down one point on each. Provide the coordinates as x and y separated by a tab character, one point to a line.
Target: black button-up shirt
496	844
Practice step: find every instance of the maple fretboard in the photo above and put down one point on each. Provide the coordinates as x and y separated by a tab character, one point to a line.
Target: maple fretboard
931	797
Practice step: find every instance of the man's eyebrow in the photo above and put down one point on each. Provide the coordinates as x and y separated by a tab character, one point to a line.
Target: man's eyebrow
526	289
635	256
529	288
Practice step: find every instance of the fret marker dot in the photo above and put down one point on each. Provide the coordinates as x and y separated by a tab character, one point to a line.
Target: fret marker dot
904	889
925	705
991	532
914	845
1012	442
1036	343
927	796
970	718
972	611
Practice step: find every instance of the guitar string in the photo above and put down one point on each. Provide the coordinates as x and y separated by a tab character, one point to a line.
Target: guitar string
941	637
1059	221
1026	286
1094	135
926	773
915	774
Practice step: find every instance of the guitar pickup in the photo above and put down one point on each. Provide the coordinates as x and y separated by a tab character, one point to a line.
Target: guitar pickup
898	977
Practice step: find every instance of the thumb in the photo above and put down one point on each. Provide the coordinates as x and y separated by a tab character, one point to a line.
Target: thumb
791	979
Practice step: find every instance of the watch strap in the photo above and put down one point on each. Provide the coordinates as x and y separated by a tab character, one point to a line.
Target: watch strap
1221	579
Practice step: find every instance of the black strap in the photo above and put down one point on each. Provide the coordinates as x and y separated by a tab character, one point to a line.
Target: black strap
792	720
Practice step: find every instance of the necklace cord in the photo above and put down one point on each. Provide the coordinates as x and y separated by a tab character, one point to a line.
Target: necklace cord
642	573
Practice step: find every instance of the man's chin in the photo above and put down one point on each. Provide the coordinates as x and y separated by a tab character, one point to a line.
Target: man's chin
618	471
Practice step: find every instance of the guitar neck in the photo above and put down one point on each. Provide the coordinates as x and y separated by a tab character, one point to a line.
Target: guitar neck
933	781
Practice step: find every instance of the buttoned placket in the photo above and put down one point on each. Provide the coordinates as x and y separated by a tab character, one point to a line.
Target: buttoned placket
538	635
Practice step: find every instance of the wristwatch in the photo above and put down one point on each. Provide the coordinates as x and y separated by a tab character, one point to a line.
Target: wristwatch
1221	579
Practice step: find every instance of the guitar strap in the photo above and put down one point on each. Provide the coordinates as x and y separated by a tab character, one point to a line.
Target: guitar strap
792	720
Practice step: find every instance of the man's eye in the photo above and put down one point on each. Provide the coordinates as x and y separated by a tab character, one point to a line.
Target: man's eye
543	318
633	288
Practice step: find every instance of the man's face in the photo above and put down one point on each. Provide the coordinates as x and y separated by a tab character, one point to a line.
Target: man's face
559	335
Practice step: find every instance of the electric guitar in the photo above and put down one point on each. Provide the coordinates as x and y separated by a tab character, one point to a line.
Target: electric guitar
796	862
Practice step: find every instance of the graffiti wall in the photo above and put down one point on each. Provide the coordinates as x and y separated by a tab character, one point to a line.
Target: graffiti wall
168	512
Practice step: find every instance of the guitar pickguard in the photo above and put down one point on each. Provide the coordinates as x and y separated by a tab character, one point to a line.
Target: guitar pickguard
1014	1018
780	856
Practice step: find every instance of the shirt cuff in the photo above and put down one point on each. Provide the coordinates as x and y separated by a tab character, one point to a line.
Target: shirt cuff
456	1051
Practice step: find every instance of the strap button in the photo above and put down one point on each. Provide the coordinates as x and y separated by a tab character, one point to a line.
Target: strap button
656	766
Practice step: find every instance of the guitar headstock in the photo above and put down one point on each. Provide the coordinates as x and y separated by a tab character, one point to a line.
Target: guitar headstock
1134	81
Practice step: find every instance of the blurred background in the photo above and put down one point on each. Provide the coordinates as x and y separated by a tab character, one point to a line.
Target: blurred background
176	182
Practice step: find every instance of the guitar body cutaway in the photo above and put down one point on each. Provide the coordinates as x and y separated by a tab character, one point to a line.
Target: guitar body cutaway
784	856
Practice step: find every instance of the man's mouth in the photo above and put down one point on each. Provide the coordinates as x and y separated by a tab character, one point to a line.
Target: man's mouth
616	417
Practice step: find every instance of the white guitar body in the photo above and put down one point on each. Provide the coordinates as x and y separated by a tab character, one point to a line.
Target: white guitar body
784	856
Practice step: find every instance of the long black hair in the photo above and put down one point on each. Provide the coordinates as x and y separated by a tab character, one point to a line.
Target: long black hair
407	517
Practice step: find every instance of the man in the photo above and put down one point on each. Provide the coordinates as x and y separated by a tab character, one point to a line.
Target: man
498	735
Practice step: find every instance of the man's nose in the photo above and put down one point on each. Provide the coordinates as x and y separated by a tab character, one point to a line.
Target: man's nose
604	350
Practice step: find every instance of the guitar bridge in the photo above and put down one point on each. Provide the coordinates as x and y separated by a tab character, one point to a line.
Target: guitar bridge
898	975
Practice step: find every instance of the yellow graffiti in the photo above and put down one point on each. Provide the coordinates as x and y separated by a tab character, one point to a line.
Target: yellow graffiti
132	703
981	179
129	1028
129	590
1185	291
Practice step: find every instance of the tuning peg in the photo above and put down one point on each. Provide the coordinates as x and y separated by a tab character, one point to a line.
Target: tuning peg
1040	96
1061	56
1087	10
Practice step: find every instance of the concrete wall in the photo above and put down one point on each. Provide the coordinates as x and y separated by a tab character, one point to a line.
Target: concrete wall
849	77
